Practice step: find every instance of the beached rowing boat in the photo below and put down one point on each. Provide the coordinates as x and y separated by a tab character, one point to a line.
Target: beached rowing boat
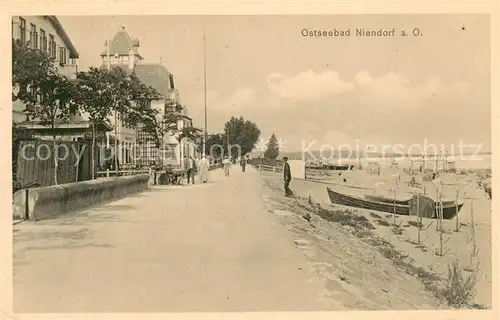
333	167
400	207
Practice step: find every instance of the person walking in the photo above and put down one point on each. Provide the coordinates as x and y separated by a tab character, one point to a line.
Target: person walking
203	166
226	163
287	177
190	170
243	163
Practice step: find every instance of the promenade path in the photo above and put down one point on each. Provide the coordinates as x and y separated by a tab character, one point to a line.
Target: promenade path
204	248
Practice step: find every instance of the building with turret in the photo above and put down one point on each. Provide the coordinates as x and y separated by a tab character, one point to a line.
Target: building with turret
134	146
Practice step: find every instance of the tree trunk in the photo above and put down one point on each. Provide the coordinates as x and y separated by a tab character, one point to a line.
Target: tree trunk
55	155
92	151
116	145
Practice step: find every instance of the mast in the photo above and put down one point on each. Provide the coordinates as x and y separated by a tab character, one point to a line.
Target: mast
205	86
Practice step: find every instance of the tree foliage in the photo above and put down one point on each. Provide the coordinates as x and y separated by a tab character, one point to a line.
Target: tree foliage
214	145
29	66
47	96
241	132
273	148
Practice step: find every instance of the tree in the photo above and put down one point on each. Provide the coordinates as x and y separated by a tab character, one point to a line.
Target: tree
102	92
28	66
46	94
18	134
273	148
242	133
213	140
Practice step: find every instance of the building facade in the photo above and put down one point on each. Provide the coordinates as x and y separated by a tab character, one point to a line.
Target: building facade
134	146
46	33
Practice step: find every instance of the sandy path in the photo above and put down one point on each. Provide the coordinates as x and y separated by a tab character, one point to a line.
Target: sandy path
211	247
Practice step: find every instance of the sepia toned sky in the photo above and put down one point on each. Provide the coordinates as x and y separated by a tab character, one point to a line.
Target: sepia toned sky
433	87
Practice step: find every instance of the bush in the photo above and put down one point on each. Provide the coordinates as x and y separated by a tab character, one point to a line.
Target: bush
459	290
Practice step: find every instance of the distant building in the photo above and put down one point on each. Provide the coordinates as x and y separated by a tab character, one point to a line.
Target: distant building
135	146
45	33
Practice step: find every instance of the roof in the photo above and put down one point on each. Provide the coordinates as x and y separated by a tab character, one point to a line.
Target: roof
73	54
122	44
155	75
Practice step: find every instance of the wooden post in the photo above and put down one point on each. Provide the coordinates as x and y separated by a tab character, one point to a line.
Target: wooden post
419	218
107	173
473	251
436	207
457	227
441	225
394	210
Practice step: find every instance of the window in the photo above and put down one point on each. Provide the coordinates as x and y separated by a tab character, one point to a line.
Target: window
33	36
22	30
62	56
52	47
171	78
43	41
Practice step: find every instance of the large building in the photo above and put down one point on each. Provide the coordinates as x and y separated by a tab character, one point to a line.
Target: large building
45	33
134	146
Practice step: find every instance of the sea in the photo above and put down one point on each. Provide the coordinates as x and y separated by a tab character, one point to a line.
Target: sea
462	162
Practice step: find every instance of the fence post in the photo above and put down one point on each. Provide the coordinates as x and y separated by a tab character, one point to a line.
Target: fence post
107	173
274	169
27	205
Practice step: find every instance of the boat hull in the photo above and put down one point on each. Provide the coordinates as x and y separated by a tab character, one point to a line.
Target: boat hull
401	207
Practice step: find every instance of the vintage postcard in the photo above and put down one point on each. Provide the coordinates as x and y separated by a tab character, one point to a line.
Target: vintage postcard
174	163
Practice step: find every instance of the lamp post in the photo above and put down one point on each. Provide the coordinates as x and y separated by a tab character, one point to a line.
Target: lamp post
205	87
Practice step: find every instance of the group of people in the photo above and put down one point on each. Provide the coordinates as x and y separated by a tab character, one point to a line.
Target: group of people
193	165
227	162
202	166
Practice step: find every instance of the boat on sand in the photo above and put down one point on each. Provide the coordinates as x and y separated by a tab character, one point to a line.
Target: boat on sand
426	206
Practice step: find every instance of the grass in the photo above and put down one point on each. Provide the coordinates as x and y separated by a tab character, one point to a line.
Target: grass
346	218
374	215
415	224
459	289
383	223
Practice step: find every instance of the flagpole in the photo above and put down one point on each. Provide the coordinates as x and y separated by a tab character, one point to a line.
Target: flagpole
205	86
109	67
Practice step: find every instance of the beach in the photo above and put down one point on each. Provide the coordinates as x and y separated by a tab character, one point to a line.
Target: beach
466	238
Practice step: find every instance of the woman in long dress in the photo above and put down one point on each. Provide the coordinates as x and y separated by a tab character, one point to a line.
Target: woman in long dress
203	169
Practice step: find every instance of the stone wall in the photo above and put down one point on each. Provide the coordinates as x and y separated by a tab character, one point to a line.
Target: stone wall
50	201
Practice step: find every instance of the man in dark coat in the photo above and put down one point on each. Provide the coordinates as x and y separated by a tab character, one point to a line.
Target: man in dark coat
287	177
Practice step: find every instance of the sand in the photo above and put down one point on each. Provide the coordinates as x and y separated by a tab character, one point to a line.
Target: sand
429	255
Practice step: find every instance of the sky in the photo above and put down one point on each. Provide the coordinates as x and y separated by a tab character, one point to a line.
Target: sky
319	91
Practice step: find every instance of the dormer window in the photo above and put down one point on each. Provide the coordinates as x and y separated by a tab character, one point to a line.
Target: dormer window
171	78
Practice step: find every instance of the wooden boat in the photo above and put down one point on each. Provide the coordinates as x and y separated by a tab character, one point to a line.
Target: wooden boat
399	201
333	167
401	207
